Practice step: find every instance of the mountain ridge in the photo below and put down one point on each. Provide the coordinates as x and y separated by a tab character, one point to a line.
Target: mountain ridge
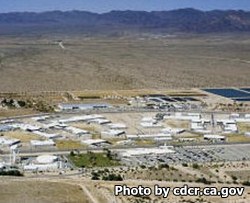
187	20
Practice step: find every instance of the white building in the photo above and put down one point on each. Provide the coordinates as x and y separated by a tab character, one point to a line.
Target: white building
150	125
112	133
181	116
151	136
95	142
228	125
230	128
156	100
173	131
197	126
38	143
148	120
26	127
8	142
211	137
116	126
146	151
187	139
234	115
6	128
8	121
2	165
201	121
40	118
55	125
81	118
162	139
226	121
243	120
100	121
76	131
66	107
47	135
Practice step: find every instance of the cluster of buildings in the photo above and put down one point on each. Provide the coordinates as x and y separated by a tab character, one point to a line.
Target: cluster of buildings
70	107
161	101
50	128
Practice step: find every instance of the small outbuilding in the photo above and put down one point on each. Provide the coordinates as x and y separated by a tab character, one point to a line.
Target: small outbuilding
214	138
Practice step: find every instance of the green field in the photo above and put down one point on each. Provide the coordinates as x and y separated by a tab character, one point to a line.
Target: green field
90	159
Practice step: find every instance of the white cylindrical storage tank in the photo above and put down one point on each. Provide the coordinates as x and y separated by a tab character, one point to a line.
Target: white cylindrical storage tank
46	159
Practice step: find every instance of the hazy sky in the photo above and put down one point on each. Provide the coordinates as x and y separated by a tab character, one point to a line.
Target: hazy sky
107	5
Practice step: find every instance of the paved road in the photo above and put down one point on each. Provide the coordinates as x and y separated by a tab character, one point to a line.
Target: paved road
66	152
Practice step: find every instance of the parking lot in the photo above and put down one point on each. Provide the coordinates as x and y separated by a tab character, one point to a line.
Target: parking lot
201	154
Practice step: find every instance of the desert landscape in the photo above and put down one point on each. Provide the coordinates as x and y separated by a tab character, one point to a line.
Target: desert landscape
91	99
134	62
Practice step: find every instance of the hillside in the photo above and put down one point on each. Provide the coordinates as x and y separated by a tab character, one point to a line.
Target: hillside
181	20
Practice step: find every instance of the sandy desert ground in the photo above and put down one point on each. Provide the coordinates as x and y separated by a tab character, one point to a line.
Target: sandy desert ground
40	191
83	191
40	64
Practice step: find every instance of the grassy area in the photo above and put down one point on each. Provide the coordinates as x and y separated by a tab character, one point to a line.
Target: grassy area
177	123
189	135
85	126
237	138
69	144
96	136
144	142
93	160
244	127
23	136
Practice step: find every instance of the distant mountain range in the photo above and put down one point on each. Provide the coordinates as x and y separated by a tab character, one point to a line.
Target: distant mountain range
175	21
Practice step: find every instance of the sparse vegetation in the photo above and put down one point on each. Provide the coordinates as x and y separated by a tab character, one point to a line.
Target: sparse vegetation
91	159
203	180
112	177
246	183
186	61
69	144
196	166
10	173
